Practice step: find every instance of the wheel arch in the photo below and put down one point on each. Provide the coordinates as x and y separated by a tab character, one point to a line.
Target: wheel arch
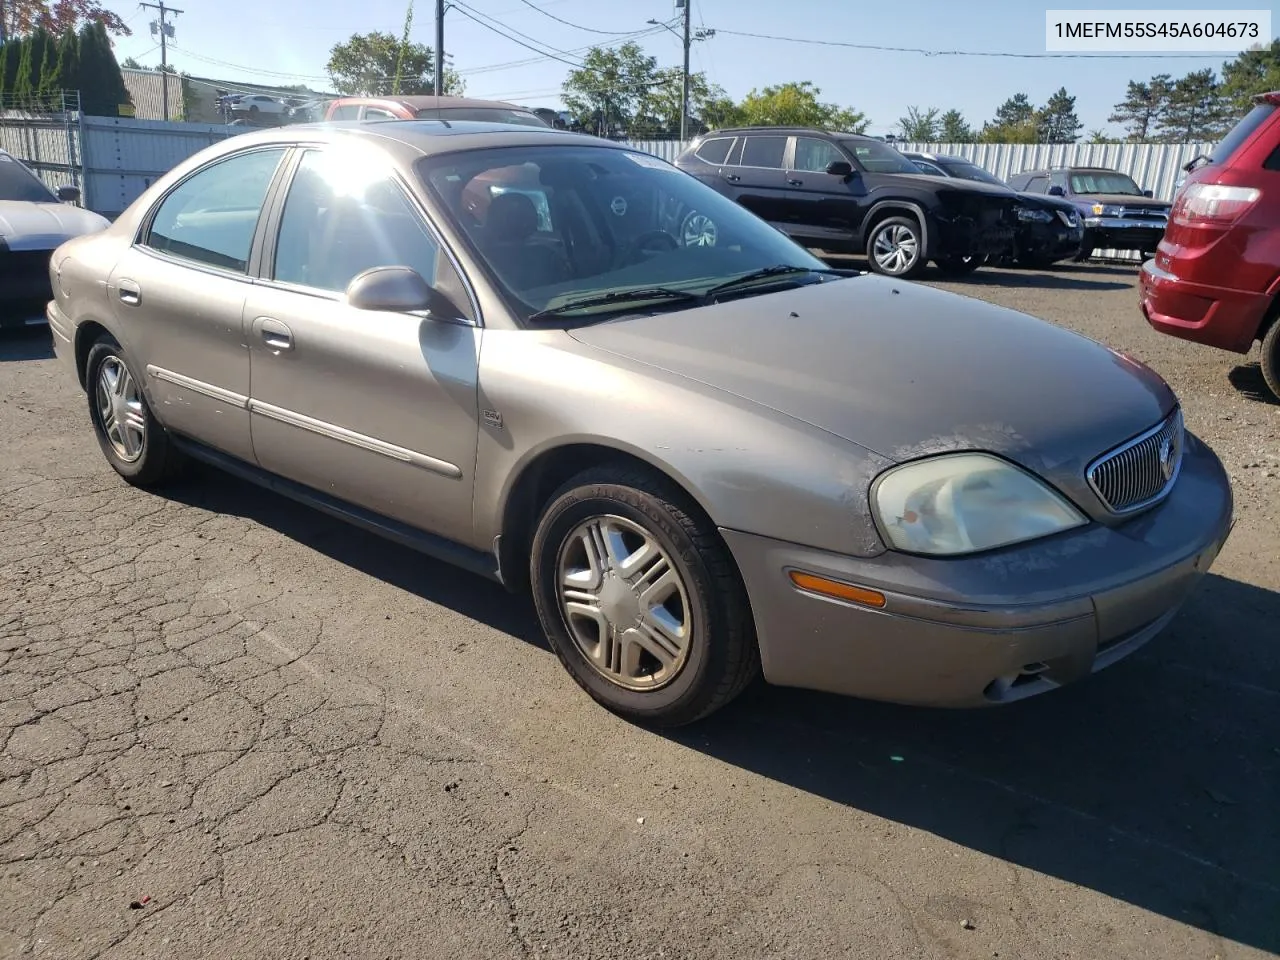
544	472
88	332
883	209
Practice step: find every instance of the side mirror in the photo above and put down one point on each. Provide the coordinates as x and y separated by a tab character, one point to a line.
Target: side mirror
1057	191
391	290
1148	193
68	193
840	168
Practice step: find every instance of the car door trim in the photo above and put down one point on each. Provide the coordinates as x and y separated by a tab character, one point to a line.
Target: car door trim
365	442
198	386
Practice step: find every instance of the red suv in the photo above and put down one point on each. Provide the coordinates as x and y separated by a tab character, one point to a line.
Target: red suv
1215	278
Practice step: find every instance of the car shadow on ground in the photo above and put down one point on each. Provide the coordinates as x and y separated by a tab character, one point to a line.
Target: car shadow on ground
25	343
1155	782
1247	379
1038	279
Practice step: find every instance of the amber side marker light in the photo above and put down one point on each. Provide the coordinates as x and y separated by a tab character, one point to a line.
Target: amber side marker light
836	589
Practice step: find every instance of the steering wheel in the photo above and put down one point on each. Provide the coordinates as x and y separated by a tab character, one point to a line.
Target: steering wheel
647	244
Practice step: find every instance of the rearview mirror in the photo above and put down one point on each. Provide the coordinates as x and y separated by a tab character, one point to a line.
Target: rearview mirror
840	168
1057	191
1148	193
391	290
68	193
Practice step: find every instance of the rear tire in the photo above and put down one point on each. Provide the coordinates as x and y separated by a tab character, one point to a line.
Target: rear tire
895	248
622	565
132	439
1271	358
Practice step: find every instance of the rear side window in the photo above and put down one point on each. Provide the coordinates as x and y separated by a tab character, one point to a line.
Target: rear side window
764	152
347	112
715	151
373	113
211	216
1242	131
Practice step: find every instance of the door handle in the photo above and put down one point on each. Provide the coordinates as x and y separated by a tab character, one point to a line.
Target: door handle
129	292
794	182
732	177
274	334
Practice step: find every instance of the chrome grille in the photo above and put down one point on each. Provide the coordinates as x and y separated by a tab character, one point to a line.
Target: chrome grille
1154	214
1140	472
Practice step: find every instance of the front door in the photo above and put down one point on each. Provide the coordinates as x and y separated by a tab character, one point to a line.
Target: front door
825	206
179	296
378	409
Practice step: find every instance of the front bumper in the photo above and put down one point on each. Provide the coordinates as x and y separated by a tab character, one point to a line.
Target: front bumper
1117	233
24	286
991	628
1212	315
1048	241
967	237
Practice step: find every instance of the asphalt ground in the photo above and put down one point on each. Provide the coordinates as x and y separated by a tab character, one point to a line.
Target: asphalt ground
279	737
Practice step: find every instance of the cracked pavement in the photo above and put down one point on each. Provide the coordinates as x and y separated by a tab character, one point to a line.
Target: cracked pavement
280	737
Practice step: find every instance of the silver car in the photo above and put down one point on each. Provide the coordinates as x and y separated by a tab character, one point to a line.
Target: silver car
566	365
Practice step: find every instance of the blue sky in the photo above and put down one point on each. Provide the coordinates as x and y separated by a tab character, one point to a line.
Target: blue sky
288	41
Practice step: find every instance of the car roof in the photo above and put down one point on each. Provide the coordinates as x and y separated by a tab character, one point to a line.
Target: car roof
427	101
944	157
429	137
789	132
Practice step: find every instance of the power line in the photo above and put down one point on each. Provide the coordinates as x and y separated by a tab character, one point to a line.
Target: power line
569	23
966	53
466	12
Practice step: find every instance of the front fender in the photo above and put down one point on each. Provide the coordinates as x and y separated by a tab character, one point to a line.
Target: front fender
903	206
749	468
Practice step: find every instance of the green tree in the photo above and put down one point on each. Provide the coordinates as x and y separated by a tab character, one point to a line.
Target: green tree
131	64
659	112
10	57
612	87
1197	110
39	41
69	61
720	111
1057	120
1016	121
1252	72
102	89
1143	107
921	126
955	129
20	17
1099	136
367	63
21	92
797	104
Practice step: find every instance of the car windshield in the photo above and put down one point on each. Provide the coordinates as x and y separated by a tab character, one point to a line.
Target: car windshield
876	157
522	118
971	171
19	183
1104	181
557	225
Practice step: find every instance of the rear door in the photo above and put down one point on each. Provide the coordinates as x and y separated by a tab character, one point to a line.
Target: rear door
818	204
179	294
760	177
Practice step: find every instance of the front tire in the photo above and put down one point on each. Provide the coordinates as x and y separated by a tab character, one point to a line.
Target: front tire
640	598
959	266
1271	358
132	439
895	248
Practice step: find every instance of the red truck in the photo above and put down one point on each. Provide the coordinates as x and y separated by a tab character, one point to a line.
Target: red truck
1215	278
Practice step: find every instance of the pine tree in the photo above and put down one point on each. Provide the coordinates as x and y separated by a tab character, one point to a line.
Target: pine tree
955	129
22	91
1197	110
101	83
1058	120
69	61
49	89
12	56
38	41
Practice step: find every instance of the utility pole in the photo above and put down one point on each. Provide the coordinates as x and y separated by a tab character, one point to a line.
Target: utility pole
165	29
684	78
439	54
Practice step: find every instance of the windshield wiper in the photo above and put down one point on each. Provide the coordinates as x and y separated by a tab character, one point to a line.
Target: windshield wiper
777	270
1197	161
619	298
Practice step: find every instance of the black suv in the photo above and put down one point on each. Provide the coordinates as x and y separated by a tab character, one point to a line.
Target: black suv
846	193
1118	215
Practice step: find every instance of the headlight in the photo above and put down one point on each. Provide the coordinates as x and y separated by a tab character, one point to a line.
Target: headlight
966	502
1105	210
1027	213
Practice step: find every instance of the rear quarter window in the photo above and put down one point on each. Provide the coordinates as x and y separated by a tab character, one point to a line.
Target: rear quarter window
715	150
1242	132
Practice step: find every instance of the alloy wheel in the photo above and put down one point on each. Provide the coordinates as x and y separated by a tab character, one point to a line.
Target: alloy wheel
895	248
698	230
120	407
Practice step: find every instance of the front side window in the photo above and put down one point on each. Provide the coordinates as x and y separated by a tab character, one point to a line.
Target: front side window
614	222
373	113
345	215
816	155
1104	181
876	157
19	183
211	216
764	152
345	112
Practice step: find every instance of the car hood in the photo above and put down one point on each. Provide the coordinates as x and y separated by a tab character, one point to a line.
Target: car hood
953	184
1041	201
44	226
905	371
1122	200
